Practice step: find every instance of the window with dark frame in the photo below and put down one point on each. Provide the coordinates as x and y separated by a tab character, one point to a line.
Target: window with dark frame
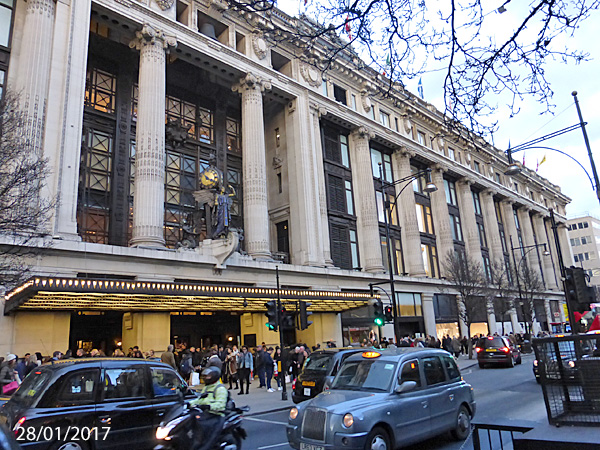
339	94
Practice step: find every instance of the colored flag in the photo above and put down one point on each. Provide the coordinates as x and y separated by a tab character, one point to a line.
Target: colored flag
347	27
420	88
387	61
595	324
523	158
543	160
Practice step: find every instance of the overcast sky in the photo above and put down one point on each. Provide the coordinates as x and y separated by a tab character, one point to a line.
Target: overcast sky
529	124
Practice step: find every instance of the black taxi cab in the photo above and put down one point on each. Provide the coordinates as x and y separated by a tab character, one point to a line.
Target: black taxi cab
384	399
99	403
318	372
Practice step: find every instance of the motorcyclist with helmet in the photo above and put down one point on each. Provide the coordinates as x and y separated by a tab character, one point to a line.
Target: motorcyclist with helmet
213	401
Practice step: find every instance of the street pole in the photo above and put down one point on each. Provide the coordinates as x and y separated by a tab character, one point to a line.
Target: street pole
512	249
389	258
284	395
561	265
587	144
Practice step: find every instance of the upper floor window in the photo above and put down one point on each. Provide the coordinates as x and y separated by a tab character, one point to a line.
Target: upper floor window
2	82
384	118
430	260
451	153
421	137
385	159
234	135
354	107
340	195
100	90
477	203
575	242
339	94
455	227
336	146
498	178
477	166
324	88
6	15
516	186
424	218
517	223
450	189
200	120
498	212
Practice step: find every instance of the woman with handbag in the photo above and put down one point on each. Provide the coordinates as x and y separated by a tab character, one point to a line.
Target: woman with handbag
9	379
231	364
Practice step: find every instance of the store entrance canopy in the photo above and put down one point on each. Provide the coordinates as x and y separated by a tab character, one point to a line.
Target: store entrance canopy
76	294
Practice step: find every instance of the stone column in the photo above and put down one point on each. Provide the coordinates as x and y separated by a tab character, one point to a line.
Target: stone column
428	313
34	71
531	253
491	316
406	209
367	224
441	219
149	198
462	326
510	228
514	319
492	231
467	212
256	211
305	215
549	316
64	123
540	233
316	113
565	247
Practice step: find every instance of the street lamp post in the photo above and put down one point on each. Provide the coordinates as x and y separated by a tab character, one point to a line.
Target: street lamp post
388	210
528	248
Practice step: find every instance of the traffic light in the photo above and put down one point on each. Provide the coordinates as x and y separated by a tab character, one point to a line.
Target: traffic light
304	322
271	315
580	294
378	318
287	320
389	315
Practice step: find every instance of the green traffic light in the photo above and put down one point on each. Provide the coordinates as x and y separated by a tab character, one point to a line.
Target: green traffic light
269	326
378	321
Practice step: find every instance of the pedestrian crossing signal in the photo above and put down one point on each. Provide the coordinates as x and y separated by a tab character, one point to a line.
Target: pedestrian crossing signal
271	315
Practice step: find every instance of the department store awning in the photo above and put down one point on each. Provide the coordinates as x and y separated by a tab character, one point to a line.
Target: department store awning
76	294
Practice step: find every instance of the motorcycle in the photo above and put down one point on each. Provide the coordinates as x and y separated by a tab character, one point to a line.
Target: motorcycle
176	431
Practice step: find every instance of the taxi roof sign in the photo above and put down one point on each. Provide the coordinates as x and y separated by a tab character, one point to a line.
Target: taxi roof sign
371	354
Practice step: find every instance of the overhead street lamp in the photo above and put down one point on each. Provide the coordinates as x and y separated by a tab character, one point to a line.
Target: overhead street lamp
527	249
430	187
514	169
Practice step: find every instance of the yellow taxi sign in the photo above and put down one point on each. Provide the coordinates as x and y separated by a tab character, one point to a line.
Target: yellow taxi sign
371	354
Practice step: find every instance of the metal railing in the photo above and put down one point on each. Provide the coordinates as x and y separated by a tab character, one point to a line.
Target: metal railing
499	436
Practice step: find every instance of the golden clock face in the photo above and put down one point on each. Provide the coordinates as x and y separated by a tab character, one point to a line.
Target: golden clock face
209	178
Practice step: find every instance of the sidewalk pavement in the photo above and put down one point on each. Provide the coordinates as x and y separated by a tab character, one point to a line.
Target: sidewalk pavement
261	401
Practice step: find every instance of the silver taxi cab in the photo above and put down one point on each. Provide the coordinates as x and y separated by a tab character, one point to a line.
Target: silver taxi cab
383	399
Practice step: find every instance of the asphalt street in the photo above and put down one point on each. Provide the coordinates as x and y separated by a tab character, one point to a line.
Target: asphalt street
501	393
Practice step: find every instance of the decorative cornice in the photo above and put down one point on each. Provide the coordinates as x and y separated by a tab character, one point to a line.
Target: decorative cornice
251	81
149	35
165	4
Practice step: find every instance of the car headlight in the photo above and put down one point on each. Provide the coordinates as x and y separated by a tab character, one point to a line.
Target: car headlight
572	364
293	413
163	432
348	420
535	363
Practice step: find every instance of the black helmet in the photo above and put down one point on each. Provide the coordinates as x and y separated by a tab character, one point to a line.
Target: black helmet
211	375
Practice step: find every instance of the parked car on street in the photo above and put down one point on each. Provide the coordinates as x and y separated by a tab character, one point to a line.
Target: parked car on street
383	399
104	403
319	370
568	351
496	350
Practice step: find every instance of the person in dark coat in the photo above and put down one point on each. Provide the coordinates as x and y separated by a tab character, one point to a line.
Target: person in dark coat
168	357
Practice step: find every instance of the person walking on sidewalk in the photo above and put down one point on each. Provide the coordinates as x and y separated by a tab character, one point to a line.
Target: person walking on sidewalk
268	361
281	367
232	367
245	366
261	366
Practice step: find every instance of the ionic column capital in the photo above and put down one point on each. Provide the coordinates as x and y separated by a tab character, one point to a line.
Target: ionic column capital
405	152
490	192
465	181
317	109
362	133
251	82
150	35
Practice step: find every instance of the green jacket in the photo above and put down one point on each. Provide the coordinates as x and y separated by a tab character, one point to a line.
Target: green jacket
217	398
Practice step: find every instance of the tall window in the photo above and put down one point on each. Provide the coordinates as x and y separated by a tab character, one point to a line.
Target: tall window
6	22
95	174
385	159
336	147
234	135
384	118
200	120
430	260
100	90
456	228
450	189
409	304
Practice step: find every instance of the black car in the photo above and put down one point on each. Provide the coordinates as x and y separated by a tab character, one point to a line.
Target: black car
319	369
99	403
497	350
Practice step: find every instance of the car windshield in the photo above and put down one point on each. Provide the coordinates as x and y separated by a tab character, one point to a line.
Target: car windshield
31	388
318	362
365	375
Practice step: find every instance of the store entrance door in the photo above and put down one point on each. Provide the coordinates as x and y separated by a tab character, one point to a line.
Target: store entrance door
101	330
200	329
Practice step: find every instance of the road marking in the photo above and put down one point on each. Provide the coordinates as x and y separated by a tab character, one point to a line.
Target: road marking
266	421
272	446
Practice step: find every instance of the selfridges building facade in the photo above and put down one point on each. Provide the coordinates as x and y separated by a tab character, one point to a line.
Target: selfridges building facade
191	158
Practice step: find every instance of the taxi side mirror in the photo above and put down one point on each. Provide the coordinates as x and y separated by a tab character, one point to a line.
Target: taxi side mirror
407	386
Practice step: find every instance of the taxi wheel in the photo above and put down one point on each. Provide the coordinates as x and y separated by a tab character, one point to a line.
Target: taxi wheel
463	424
378	439
74	445
511	363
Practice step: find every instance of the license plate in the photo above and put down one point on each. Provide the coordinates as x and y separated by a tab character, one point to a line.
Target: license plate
305	446
307	392
308	383
491	350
